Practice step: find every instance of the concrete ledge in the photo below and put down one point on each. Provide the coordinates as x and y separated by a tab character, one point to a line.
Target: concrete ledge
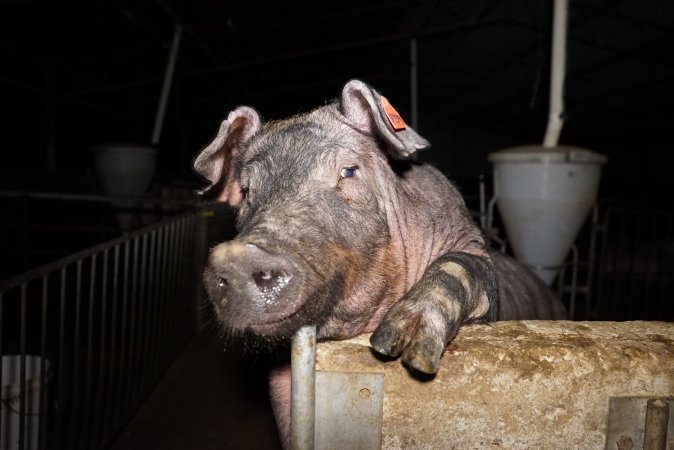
520	384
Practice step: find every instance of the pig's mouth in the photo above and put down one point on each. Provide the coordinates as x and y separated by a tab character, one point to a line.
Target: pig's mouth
269	292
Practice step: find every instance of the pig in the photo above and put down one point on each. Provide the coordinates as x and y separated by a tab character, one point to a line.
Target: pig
340	226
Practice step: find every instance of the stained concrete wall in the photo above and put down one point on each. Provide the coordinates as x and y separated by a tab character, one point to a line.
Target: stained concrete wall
517	385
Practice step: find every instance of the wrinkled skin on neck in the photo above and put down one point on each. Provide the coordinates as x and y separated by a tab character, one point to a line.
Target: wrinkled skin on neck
339	228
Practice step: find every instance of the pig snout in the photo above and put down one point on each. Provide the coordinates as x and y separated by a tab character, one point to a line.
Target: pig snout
250	286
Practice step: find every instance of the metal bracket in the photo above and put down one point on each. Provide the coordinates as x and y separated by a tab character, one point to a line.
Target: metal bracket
332	410
349	410
640	423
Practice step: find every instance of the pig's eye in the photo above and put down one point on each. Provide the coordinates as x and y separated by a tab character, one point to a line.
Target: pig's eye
348	172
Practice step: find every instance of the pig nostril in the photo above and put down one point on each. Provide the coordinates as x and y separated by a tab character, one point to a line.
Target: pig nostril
270	279
221	285
265	275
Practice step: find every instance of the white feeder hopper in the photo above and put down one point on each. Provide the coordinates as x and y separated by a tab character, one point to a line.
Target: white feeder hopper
545	192
544	195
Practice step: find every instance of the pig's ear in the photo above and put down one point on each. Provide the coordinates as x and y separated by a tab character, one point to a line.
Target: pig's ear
371	112
216	161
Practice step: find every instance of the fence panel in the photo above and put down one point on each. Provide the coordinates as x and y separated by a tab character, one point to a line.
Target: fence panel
86	338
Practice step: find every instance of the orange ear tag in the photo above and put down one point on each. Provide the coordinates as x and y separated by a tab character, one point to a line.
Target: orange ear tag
394	118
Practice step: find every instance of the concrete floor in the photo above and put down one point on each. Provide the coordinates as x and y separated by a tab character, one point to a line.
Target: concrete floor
209	399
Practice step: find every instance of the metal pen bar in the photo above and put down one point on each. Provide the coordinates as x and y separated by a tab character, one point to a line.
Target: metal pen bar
123	339
19	279
161	351
132	350
73	423
655	428
154	357
172	294
2	351
62	403
22	369
150	298
142	319
140	310
303	382
101	378
181	325
110	395
85	425
169	293
44	367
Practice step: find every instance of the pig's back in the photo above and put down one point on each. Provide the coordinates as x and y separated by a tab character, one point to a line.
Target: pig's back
522	294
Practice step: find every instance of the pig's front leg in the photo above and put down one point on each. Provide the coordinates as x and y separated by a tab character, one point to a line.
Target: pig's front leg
456	288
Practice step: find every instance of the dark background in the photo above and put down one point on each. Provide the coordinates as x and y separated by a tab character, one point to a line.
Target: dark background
77	74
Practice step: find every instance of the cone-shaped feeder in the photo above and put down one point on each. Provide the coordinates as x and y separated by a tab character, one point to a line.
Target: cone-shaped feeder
544	195
125	170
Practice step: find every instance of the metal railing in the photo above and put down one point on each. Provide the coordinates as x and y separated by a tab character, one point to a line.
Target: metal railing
635	265
85	339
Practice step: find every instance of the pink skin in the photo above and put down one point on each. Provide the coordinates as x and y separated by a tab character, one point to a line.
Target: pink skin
419	234
425	214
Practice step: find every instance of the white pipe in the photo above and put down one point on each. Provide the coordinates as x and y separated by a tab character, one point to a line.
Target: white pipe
413	84
166	87
558	68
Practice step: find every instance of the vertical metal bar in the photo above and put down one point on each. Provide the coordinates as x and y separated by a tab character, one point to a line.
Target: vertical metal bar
62	401
132	332
591	309
166	86
102	377
75	392
199	252
602	269
123	345
151	298
619	301
22	369
161	353
574	282
303	382
112	395
182	328
85	424
44	368
184	324
140	302
175	298
156	308
632	287
2	352
655	431
169	294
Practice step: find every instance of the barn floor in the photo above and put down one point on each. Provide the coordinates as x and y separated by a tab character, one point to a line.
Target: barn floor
209	399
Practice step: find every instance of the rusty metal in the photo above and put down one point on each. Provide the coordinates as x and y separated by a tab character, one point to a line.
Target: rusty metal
655	432
640	423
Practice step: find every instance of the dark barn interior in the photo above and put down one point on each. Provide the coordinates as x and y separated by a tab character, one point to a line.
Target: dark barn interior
473	76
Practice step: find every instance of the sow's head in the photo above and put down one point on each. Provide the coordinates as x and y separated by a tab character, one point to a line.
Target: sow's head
314	196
